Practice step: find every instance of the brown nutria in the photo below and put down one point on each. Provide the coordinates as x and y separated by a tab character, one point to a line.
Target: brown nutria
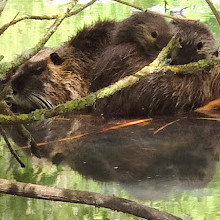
47	80
136	42
56	75
146	30
158	94
196	42
71	71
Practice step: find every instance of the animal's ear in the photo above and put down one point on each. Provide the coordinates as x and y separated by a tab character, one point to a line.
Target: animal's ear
56	59
154	34
216	53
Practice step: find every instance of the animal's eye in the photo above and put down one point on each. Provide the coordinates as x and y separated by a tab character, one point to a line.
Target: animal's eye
154	34
38	71
55	58
180	43
199	46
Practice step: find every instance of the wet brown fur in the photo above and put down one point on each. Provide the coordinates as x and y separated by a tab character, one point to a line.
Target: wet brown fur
136	42
86	64
163	94
44	83
196	42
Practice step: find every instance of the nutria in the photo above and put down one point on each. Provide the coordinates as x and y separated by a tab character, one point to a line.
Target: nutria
136	42
196	42
163	94
71	71
56	75
146	30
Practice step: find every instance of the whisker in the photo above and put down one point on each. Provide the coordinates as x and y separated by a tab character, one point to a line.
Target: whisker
41	101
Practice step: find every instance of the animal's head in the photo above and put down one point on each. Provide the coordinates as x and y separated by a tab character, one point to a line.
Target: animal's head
196	42
49	78
149	31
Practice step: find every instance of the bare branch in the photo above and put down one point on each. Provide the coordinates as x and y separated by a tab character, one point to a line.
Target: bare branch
2	132
25	17
4	109
90	198
156	13
214	10
5	67
33	17
2	6
30	140
82	8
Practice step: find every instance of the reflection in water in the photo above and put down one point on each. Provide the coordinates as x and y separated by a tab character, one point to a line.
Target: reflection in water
149	159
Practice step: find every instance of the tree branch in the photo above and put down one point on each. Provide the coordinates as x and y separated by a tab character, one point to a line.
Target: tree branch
5	67
153	12
4	109
2	6
89	100
25	17
212	7
34	17
3	134
74	196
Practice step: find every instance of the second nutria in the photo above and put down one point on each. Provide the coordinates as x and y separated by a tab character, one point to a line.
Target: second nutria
158	94
136	42
196	42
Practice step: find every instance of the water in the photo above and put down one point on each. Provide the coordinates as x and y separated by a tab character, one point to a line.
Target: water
170	163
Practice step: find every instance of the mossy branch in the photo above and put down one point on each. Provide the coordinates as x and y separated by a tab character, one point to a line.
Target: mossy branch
89	100
82	197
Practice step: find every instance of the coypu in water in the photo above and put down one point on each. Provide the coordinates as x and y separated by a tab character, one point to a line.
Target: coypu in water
56	75
136	42
158	94
85	64
196	42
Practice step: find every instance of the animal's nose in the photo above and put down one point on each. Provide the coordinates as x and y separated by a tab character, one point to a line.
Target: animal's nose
16	85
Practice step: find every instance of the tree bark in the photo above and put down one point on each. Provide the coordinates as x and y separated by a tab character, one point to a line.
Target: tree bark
74	196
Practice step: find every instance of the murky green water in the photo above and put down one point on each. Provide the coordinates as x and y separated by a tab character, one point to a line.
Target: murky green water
175	169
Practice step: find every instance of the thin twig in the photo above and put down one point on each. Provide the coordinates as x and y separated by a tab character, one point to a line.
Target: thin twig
4	109
166	125
2	6
25	17
34	17
30	141
2	132
82	197
153	12
212	7
5	67
81	8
